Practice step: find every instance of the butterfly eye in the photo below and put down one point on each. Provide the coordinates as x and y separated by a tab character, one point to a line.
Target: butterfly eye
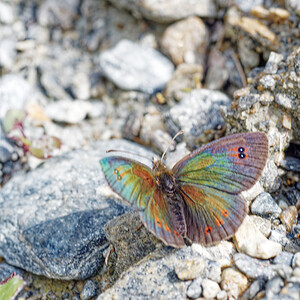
241	149
242	155
208	229
158	222
225	213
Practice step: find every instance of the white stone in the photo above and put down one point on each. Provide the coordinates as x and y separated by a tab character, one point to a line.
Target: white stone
210	288
248	239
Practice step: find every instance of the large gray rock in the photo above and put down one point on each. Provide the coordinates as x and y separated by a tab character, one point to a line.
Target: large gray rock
135	67
52	219
169	10
198	112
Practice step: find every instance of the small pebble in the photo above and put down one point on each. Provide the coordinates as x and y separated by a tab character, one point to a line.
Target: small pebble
264	205
210	288
289	217
250	240
274	286
233	282
256	286
296	260
89	290
222	295
191	269
284	257
262	224
194	290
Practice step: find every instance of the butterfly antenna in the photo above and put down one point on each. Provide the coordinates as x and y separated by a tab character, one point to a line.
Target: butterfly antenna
173	139
128	152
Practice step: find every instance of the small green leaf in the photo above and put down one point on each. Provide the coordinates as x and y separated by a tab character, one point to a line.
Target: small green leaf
44	148
10	287
12	117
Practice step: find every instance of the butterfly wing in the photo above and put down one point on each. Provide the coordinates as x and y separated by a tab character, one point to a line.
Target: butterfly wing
135	183
211	179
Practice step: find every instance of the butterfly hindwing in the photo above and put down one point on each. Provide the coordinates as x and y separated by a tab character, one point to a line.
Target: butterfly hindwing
210	180
211	215
135	183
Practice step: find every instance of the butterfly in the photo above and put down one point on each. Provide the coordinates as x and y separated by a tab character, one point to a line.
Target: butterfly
198	200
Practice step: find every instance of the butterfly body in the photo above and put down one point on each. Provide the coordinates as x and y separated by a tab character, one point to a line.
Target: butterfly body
198	200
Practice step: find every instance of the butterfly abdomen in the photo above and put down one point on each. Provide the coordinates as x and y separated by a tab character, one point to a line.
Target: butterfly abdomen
174	201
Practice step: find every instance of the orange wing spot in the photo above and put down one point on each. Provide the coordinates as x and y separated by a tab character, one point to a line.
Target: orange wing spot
158	223
119	178
208	229
168	229
219	222
176	233
225	213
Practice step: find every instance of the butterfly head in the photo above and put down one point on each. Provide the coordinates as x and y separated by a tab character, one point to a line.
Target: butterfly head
164	176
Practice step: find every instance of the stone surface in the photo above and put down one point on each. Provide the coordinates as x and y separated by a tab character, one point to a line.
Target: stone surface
135	67
253	267
60	210
168	11
195	289
263	225
89	290
264	205
251	241
186	41
289	217
210	289
197	113
233	282
255	287
10	97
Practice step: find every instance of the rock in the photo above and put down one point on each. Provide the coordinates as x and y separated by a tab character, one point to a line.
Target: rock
270	178
296	260
233	282
60	209
191	269
58	13
197	113
222	295
195	289
284	257
186	41
10	97
7	13
135	67
245	6
89	290
263	225
253	267
131	240
67	111
283	271
289	217
8	52
274	286
183	80
217	74
291	290
250	109
257	286
168	11
251	241
264	205
6	270
281	236
81	86
291	164
210	289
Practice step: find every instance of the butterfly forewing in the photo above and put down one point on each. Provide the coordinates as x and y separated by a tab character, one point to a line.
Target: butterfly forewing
232	164
135	183
210	180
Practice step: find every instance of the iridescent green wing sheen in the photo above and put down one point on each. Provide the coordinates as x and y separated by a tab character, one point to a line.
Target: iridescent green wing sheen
135	183
211	179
